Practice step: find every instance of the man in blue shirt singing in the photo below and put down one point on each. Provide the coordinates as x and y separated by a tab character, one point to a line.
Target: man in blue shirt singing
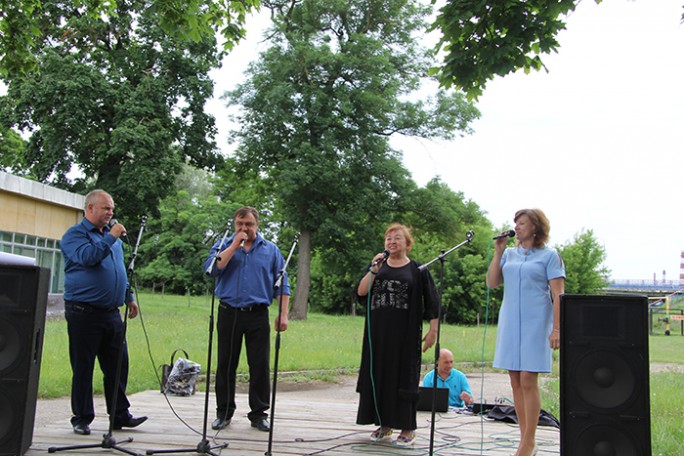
95	286
246	269
448	377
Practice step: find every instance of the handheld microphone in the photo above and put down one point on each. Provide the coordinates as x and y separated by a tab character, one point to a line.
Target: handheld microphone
509	233
385	254
242	243
113	222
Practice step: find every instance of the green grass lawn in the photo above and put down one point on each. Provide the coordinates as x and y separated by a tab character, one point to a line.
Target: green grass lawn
323	347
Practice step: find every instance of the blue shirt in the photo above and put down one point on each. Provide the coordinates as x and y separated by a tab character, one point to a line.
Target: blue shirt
94	270
249	277
456	382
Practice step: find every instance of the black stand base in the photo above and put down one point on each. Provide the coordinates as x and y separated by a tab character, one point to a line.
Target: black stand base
108	442
204	447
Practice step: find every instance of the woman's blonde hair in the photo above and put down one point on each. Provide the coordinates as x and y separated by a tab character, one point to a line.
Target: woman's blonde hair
403	229
540	223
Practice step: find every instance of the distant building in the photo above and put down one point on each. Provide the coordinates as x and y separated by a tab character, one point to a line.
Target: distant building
33	218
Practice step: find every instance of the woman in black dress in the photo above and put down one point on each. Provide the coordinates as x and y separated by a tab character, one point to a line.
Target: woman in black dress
401	297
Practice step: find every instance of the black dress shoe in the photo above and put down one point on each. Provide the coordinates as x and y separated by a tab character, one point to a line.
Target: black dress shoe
261	424
82	429
129	422
220	423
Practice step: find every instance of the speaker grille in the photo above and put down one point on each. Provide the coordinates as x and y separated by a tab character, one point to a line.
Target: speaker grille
604	380
10	346
23	300
604	389
7	417
603	440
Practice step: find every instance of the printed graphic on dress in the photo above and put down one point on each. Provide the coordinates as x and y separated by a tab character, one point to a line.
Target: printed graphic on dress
390	293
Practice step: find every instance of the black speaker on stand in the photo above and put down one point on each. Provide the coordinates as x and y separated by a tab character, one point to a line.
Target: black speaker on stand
23	301
604	369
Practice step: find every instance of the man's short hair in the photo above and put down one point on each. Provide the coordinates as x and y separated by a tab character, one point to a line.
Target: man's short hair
93	195
244	210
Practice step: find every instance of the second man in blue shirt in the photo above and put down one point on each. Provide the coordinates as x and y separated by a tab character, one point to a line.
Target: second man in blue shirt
246	270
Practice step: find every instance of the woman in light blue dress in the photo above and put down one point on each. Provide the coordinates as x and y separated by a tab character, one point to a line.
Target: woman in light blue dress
529	320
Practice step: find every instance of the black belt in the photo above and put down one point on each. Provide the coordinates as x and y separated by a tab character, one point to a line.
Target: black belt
252	308
84	307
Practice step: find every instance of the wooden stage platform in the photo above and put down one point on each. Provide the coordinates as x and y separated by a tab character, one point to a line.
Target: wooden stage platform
304	425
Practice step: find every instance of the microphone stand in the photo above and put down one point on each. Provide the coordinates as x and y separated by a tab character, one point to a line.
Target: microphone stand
440	258
204	447
108	441
278	283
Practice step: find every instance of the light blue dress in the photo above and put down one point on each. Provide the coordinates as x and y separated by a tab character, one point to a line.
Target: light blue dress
526	315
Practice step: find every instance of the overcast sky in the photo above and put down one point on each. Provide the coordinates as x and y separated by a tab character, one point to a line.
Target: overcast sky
597	143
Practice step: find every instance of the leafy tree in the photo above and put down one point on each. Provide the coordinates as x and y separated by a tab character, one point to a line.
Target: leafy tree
333	283
114	100
12	150
344	248
25	24
482	39
243	183
176	243
584	268
318	109
441	219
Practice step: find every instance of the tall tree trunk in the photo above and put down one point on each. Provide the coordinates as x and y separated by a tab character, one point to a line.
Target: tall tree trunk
300	305
352	302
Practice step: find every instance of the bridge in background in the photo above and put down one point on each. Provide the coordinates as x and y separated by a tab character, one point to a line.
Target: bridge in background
651	288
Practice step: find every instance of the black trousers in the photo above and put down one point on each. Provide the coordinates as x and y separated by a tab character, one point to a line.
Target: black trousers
234	324
95	334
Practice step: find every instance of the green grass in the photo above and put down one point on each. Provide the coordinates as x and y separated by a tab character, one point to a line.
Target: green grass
317	348
323	347
666	349
667	424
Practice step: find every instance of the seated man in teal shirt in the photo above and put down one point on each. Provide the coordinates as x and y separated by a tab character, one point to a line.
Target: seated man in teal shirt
448	377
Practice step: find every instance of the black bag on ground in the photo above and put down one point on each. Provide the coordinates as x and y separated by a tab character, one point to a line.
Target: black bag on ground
166	369
182	378
506	413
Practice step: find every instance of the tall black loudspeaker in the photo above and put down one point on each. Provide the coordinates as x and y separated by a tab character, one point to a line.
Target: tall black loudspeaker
604	387
23	300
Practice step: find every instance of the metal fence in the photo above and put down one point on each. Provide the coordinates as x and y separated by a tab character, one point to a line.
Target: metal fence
664	322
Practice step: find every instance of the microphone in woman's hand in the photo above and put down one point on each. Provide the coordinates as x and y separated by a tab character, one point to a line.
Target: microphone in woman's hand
509	233
385	254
